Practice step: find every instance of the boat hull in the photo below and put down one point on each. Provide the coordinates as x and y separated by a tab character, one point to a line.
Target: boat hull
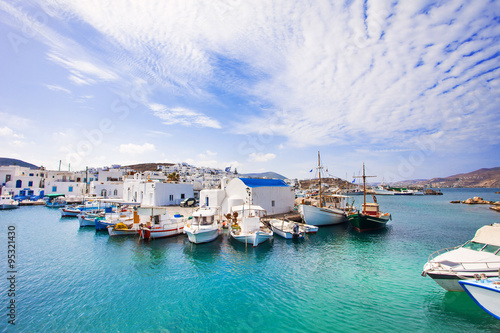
147	233
202	236
8	206
66	212
486	294
321	216
122	232
86	221
254	238
450	281
363	222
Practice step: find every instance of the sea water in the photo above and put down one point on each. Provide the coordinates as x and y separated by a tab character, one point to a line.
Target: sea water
71	279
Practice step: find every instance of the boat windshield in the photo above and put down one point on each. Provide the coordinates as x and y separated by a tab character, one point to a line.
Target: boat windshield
483	247
492	249
202	220
474	246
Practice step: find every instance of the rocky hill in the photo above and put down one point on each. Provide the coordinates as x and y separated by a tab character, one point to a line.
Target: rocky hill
5	161
479	178
146	166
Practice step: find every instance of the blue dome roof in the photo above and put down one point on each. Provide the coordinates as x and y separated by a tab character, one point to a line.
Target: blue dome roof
255	182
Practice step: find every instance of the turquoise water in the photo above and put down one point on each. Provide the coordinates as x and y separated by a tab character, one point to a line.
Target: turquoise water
80	280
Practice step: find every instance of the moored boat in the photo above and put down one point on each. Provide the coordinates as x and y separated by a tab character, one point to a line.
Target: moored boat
6	202
205	225
485	292
287	229
369	217
156	222
481	255
55	200
322	211
246	226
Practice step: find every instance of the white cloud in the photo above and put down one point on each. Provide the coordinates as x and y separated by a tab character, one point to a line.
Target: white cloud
5	131
183	116
261	157
132	148
58	88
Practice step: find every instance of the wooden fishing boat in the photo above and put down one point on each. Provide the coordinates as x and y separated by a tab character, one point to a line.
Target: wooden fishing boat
370	217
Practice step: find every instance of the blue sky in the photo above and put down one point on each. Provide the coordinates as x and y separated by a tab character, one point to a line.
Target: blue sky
411	88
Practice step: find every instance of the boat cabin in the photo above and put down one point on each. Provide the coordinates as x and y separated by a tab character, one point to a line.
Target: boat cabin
371	208
487	239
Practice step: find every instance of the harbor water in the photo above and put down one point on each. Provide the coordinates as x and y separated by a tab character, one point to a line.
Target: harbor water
71	279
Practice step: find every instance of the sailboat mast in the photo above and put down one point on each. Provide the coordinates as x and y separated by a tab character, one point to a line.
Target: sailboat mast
319	174
364	188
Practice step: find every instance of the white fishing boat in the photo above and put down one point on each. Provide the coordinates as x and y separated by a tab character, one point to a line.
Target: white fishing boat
246	226
481	255
205	225
55	200
6	202
485	292
321	211
287	229
156	222
126	229
86	219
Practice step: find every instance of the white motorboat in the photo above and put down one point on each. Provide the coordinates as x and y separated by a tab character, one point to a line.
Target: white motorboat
287	229
486	294
6	202
205	226
481	255
246	226
156	222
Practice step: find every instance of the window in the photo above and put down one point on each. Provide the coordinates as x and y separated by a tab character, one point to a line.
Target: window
207	202
70	189
30	183
474	246
104	192
31	175
115	192
491	248
19	183
171	197
183	196
54	188
272	203
7	178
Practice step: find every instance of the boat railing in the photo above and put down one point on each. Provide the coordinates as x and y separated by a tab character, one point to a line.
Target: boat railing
479	265
439	252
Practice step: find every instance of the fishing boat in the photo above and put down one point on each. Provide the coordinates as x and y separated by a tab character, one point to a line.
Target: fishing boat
205	225
119	211
6	202
320	213
480	255
55	200
86	219
287	229
156	222
125	229
370	217
485	292
246	226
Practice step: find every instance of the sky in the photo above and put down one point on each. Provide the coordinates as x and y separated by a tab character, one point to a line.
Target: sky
410	88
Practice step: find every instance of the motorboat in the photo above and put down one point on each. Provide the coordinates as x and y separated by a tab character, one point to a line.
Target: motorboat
287	229
485	292
6	202
481	255
156	222
246	226
55	200
125	229
205	225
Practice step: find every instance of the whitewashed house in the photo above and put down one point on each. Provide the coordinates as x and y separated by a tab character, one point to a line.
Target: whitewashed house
155	193
17	180
274	195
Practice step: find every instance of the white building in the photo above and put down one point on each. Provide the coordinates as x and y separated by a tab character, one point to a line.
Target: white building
274	195
155	193
17	180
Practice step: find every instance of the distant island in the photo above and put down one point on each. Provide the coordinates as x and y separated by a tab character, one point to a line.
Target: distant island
486	178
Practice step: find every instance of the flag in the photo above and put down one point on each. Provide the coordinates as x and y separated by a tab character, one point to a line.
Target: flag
353	180
228	169
311	170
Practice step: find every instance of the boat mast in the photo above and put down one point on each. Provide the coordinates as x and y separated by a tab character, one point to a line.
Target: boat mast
364	188
319	174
